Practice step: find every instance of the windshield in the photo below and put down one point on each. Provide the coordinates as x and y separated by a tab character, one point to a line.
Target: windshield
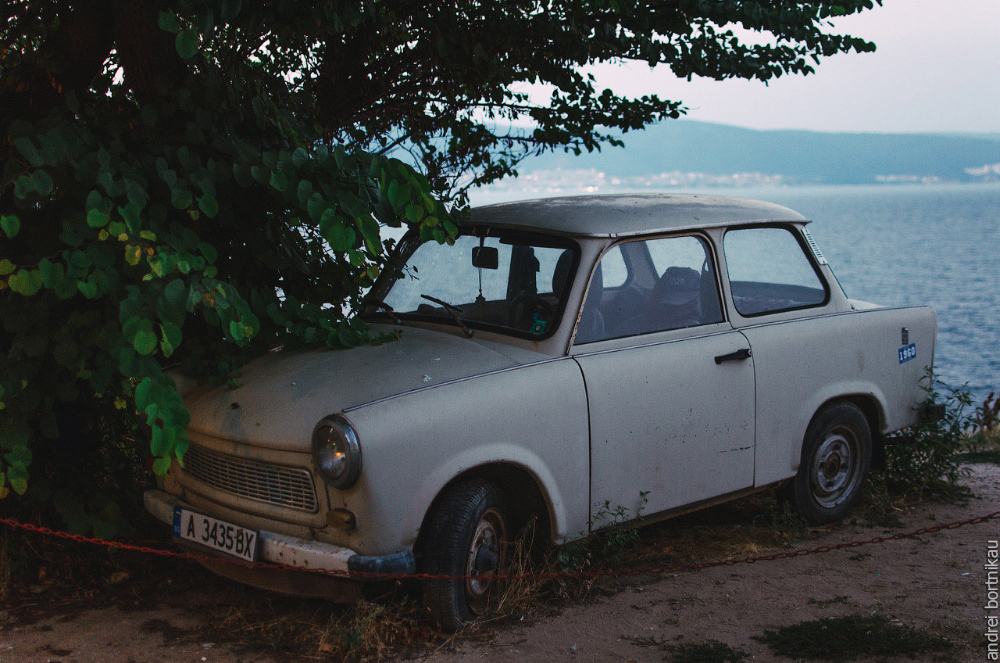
513	283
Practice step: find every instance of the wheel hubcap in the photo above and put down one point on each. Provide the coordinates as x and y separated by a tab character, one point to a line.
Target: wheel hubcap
485	553
835	467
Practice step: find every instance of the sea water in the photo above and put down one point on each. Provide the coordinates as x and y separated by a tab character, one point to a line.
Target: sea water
909	244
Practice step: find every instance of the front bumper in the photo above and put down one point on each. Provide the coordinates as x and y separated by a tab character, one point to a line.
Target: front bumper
296	553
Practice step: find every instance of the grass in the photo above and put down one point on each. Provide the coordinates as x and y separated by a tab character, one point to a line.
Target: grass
851	638
710	651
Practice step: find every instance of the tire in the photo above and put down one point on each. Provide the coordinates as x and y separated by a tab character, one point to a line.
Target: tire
465	534
836	456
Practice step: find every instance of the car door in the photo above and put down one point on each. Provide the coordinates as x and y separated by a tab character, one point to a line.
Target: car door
670	384
777	294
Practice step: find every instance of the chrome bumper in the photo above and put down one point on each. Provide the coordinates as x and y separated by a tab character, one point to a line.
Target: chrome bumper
294	552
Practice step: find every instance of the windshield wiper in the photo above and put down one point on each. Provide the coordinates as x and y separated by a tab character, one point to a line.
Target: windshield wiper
454	310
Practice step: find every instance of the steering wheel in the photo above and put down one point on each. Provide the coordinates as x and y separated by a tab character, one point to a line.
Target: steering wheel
526	305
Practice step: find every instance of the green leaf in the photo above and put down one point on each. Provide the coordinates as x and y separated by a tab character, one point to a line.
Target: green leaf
299	157
136	193
6	267
42	182
209	205
143	391
303	192
97	219
208	251
29	151
26	282
181	198
23	186
279	181
144	342
168	22
186	43
19	485
161	466
11	225
94	200
130	213
369	227
170	338
236	330
176	294
133	254
87	288
341	237
353	205
52	272
241	172
316	205
393	192
415	213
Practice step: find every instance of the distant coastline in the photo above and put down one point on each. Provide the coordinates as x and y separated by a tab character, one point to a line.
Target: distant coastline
590	181
684	154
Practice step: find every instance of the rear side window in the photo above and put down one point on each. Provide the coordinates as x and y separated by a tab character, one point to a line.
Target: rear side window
770	272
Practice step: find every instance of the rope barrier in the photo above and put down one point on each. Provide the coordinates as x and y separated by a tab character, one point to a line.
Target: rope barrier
583	575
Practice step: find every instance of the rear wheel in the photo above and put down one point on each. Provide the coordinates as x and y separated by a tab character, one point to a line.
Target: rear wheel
836	456
465	535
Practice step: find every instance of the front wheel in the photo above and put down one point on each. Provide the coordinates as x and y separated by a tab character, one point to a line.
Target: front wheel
836	456
465	535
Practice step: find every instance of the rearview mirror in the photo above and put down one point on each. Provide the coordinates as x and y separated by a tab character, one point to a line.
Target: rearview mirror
485	257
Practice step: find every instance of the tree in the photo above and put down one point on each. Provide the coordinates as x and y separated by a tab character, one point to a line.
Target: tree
182	177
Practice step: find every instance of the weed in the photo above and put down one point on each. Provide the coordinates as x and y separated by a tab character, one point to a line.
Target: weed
710	651
926	456
605	547
828	602
783	521
982	456
850	638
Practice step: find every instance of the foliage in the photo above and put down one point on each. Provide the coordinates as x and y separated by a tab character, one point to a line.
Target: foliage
185	184
926	454
710	651
604	548
986	424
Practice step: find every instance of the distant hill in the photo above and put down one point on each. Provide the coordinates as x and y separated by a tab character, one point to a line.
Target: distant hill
805	157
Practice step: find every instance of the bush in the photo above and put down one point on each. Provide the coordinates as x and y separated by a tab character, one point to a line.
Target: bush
926	456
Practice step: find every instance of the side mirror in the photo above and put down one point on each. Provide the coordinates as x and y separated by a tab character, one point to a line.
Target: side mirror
485	257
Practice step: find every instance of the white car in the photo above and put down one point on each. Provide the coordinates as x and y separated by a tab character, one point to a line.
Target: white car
658	351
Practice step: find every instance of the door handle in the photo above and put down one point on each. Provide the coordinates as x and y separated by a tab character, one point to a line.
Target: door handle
739	355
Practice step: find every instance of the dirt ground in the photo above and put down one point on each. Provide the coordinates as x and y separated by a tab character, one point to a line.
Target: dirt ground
935	583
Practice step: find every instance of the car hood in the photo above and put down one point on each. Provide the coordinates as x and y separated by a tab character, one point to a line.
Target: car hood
284	394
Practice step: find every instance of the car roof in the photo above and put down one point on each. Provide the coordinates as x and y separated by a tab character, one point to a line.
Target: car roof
630	214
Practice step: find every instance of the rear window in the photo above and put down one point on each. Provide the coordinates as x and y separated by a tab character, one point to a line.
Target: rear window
769	271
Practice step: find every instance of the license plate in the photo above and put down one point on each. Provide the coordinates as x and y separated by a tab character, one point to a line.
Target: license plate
216	534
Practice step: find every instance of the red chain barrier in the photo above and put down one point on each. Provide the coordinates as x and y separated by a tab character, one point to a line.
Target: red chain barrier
802	552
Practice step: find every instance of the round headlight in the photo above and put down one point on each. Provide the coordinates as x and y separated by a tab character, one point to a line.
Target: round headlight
336	452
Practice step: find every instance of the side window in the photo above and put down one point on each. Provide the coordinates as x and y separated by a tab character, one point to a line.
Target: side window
680	292
769	272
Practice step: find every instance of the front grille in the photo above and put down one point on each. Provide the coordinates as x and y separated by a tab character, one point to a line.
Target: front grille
290	487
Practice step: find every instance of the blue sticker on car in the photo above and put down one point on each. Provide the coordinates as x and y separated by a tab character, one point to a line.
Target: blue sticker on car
907	352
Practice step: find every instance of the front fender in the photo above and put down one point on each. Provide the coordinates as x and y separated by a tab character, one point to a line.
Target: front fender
533	417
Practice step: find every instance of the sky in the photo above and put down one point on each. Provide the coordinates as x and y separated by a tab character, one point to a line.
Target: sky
936	69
